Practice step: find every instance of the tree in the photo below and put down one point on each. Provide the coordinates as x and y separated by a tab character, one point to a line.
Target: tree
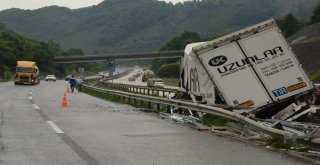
73	51
289	25
315	15
180	42
169	70
177	43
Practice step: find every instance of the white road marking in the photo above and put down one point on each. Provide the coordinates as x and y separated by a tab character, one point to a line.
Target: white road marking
35	106
30	97
55	127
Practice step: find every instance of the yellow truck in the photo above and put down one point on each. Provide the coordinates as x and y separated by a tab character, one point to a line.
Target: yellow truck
27	72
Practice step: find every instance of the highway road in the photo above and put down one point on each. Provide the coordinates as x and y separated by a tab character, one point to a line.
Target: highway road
35	130
124	79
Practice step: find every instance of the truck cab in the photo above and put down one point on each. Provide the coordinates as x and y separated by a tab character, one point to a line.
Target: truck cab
27	72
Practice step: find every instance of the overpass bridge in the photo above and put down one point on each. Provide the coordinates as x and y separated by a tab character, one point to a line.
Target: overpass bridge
124	56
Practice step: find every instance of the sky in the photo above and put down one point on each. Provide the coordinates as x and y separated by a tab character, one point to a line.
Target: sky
35	4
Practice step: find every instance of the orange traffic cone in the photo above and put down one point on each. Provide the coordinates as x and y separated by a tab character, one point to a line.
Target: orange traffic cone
68	89
64	102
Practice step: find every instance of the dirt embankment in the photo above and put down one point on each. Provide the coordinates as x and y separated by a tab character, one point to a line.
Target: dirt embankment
306	45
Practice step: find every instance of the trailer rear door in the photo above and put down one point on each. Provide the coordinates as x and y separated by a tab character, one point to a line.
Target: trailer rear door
233	76
275	64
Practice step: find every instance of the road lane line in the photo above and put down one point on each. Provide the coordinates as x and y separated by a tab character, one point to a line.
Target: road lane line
35	106
82	153
55	127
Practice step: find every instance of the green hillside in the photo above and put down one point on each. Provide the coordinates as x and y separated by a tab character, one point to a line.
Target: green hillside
144	25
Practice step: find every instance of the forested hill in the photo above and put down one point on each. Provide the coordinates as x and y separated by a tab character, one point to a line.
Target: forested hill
14	47
144	25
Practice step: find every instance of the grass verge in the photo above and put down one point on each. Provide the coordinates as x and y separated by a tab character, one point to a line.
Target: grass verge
171	81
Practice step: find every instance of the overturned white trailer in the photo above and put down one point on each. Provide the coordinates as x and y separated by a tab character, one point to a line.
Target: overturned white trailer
253	67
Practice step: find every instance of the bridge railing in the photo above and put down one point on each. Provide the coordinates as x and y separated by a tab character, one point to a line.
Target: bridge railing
126	56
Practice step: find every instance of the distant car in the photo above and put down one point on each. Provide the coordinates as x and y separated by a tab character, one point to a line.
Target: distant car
155	82
68	77
136	75
131	79
51	78
101	74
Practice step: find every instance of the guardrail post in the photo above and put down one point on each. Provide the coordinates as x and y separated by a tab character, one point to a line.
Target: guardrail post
169	108
149	105
158	107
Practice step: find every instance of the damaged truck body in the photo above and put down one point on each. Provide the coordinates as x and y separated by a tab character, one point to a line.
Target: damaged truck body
253	67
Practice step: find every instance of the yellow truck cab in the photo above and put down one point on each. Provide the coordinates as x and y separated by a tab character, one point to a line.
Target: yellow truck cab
27	72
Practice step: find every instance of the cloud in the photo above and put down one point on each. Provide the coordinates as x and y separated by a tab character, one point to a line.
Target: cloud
34	4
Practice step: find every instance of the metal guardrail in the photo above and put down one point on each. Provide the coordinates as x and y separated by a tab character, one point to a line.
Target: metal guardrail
139	88
217	110
200	108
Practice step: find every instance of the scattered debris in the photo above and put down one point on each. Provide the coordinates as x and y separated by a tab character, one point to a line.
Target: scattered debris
286	112
143	110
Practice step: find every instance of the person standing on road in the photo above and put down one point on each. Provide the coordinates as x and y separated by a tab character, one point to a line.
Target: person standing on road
79	83
72	83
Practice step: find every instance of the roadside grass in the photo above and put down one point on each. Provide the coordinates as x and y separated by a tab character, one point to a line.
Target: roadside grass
214	120
171	81
280	144
315	76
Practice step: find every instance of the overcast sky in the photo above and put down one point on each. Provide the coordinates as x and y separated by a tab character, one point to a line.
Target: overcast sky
34	4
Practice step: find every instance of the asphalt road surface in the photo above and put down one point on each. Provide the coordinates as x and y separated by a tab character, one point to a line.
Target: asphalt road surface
124	79
35	130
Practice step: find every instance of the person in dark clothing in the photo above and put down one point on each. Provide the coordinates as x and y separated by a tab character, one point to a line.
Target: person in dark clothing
72	83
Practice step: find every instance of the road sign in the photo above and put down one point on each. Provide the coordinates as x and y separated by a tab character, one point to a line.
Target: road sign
81	70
